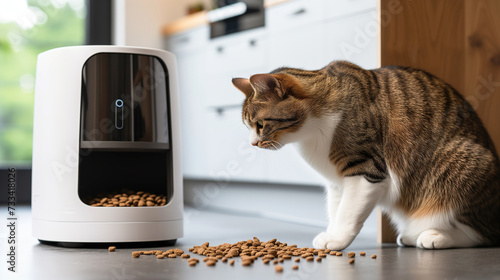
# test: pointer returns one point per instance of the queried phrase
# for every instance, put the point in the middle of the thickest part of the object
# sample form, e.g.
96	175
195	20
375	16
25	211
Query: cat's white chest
313	142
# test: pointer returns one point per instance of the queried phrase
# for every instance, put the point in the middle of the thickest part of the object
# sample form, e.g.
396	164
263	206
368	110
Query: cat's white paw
404	241
434	239
331	241
319	242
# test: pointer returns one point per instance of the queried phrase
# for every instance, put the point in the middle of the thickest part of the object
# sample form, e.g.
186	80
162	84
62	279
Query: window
27	28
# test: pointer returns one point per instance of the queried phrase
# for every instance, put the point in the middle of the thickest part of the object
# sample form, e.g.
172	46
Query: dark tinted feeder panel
125	127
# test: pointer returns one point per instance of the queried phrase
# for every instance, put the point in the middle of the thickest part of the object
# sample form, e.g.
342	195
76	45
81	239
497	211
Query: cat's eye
260	124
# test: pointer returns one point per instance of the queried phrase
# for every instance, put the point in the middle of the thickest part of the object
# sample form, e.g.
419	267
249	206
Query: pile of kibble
128	199
249	251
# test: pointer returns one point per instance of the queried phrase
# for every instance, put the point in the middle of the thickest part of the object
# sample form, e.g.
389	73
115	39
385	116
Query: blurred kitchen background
216	40
222	171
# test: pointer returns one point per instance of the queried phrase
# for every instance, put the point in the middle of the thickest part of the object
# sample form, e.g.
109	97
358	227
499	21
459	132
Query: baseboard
304	203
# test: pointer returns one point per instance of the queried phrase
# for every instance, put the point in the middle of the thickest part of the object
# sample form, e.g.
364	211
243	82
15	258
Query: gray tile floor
37	261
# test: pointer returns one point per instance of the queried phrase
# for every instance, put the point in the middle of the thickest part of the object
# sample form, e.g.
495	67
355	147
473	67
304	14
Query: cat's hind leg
440	230
460	236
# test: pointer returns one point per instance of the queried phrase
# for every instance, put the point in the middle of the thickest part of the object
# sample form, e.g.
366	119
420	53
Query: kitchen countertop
38	261
200	18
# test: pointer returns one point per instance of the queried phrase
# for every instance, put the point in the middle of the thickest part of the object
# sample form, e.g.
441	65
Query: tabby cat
396	137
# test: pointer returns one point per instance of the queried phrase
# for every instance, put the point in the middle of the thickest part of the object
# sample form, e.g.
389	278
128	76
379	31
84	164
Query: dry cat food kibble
112	249
193	261
128	198
374	256
249	251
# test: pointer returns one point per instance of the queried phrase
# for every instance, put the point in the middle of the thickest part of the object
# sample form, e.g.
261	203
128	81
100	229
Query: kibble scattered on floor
249	251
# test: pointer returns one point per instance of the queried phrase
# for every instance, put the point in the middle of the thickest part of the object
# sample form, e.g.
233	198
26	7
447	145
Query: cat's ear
280	84
243	85
266	83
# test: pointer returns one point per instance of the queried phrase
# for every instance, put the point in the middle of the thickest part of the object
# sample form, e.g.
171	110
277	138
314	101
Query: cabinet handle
183	40
221	109
298	12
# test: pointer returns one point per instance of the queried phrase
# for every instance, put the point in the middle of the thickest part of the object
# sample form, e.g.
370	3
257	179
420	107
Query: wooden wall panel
482	62
456	40
385	231
426	34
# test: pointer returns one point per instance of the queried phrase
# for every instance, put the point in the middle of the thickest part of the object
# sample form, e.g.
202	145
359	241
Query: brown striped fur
393	117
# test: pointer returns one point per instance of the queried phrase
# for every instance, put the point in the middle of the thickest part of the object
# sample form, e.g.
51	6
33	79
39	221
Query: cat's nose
255	143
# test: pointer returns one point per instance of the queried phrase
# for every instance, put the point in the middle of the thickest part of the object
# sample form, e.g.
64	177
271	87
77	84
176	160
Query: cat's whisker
279	144
273	143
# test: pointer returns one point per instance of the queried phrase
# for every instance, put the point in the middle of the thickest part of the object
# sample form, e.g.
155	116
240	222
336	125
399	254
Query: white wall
139	22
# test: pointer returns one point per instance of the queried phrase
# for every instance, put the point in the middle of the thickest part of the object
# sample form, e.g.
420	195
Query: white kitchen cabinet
301	47
296	35
189	41
293	14
346	8
287	166
230	154
304	34
236	55
354	39
296	39
190	50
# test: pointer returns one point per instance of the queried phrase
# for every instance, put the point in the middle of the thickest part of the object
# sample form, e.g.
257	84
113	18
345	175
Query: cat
396	137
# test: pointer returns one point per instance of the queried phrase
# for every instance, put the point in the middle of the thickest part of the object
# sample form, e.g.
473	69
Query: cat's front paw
331	241
404	241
